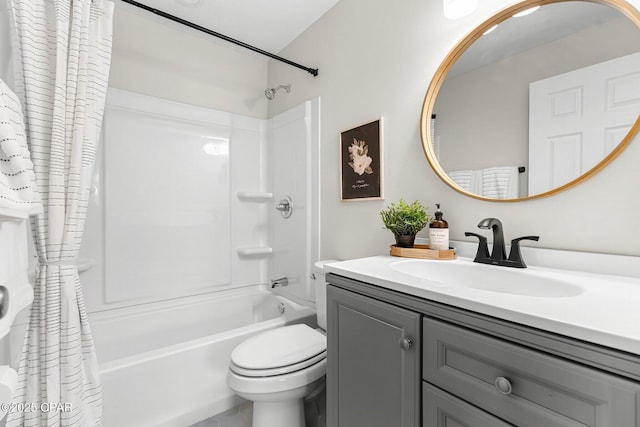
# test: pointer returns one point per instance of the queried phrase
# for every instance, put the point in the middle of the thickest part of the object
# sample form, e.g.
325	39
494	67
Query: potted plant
404	221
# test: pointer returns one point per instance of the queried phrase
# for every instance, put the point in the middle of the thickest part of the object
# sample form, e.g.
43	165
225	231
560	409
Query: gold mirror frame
434	88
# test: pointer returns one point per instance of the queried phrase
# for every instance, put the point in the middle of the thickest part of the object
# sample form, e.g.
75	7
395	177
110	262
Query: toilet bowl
278	368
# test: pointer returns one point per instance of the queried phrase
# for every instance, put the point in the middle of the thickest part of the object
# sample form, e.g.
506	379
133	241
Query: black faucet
498	254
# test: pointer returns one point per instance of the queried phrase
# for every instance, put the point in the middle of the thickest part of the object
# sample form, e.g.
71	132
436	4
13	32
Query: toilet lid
280	347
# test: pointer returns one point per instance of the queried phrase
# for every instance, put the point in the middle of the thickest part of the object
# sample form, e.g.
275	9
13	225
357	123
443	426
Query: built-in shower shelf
258	196
255	251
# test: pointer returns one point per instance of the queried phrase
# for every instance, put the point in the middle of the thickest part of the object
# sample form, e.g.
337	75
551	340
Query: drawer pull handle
503	385
406	343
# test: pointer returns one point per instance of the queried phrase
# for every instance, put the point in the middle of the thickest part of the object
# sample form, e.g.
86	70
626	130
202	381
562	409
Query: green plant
405	219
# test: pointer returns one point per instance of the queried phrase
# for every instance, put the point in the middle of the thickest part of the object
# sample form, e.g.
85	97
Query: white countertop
607	312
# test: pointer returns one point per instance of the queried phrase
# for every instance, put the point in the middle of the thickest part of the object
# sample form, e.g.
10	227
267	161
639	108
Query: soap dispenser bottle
439	232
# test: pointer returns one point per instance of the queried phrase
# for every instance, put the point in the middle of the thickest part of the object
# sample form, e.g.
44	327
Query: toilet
278	368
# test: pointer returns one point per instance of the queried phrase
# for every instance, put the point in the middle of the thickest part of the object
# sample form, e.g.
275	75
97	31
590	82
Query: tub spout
283	281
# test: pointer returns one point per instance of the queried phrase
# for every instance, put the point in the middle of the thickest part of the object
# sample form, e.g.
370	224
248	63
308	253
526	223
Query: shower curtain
62	52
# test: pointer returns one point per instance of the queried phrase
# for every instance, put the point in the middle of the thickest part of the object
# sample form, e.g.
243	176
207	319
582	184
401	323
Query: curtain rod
312	71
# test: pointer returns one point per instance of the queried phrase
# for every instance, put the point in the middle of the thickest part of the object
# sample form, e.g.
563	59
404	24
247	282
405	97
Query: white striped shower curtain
62	50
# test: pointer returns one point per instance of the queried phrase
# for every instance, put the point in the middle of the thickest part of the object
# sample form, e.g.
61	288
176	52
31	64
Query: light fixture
526	12
454	9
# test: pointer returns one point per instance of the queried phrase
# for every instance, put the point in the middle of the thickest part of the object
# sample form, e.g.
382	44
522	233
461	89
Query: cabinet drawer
537	389
440	409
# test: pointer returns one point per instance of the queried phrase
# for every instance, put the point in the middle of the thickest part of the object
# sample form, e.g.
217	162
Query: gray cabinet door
522	386
373	374
440	409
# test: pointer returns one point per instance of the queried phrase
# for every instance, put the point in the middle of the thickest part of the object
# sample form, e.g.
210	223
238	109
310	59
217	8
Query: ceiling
546	25
269	25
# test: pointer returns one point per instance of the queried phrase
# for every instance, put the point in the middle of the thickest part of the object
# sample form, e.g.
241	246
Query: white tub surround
183	201
181	223
294	172
165	365
164	221
603	310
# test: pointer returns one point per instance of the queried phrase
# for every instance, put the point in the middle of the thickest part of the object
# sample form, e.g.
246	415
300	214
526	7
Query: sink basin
504	280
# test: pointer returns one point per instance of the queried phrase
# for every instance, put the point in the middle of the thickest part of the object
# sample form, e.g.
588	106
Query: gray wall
154	56
377	58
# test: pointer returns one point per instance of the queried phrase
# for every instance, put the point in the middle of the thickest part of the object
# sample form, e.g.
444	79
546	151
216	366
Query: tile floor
240	416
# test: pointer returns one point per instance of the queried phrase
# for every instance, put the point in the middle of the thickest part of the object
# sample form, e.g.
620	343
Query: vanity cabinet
523	386
373	370
474	370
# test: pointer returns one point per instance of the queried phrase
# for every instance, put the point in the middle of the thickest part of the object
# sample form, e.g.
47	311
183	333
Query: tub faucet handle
285	206
283	281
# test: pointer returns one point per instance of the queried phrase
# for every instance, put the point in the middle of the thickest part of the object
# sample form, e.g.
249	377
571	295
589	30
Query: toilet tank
320	285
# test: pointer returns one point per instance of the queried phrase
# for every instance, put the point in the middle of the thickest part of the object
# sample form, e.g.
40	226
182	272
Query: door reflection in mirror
489	119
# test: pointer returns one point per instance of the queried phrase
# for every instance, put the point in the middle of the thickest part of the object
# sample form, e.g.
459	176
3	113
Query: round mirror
536	99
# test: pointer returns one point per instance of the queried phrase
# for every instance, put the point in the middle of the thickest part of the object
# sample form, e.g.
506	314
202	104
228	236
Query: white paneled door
577	118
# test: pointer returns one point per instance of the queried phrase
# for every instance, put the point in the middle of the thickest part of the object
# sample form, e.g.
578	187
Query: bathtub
166	366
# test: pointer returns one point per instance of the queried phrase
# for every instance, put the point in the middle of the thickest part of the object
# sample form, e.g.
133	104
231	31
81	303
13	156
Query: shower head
271	92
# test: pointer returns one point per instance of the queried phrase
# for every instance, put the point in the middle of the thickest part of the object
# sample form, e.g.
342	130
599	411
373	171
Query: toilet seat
279	351
276	386
282	370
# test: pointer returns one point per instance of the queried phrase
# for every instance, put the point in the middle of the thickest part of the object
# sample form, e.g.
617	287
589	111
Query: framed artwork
361	165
